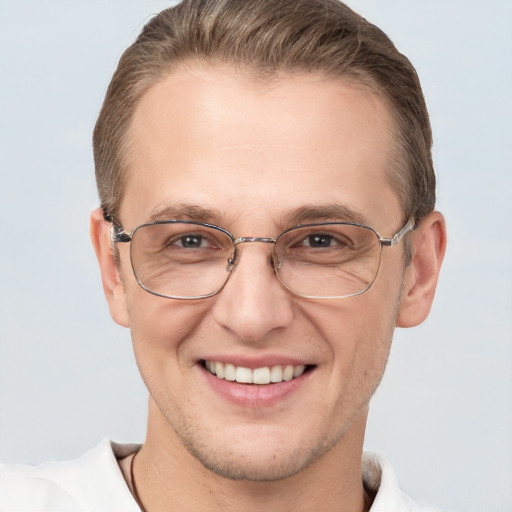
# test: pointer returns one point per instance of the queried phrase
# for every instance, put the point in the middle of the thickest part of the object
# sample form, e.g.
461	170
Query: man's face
213	145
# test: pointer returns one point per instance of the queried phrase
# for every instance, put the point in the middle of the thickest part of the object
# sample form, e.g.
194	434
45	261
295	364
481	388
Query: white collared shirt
94	483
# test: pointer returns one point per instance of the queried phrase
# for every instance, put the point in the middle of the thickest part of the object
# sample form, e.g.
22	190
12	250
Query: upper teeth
264	375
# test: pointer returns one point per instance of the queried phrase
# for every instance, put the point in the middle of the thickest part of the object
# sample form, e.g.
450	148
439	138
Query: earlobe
112	283
420	282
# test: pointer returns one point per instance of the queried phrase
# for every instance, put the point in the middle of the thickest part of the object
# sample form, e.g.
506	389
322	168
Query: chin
246	468
258	461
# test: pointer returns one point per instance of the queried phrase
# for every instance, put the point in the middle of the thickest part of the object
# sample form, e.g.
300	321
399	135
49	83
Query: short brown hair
268	37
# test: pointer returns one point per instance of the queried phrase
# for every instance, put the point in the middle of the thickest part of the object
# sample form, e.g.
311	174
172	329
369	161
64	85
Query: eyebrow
185	211
322	213
302	215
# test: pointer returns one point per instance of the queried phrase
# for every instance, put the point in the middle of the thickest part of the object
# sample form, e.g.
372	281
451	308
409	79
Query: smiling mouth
264	375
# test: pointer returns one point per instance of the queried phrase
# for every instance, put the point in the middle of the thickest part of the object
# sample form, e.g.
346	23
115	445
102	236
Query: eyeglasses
180	259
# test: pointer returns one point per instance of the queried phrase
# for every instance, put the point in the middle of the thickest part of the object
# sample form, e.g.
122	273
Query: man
267	219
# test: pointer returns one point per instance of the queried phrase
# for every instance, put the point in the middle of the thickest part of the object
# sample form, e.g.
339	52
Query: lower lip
254	395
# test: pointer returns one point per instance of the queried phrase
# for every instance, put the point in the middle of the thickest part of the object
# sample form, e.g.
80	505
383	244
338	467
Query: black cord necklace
134	486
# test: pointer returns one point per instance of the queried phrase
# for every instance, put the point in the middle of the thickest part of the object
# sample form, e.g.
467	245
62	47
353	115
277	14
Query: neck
168	477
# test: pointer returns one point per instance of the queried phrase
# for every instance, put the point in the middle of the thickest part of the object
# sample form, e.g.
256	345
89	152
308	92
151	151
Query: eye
190	241
195	241
319	240
323	241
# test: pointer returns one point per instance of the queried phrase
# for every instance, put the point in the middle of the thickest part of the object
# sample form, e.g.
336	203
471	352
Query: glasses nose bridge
252	239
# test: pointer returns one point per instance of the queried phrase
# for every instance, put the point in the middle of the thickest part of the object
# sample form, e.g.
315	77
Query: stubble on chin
248	461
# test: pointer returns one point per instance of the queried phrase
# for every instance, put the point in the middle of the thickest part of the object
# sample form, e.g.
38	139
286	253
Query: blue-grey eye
191	241
319	240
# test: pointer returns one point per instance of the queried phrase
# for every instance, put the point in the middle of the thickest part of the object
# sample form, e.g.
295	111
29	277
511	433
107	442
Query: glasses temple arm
118	234
409	226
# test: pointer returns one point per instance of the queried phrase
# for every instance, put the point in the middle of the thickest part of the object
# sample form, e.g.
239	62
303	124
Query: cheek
358	332
363	323
158	328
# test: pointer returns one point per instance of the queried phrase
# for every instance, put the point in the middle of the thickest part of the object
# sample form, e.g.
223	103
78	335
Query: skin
252	153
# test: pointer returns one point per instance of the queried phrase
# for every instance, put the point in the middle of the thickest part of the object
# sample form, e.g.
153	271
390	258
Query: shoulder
379	477
91	483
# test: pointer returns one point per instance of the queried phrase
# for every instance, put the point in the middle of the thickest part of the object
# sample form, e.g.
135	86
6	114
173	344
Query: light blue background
443	414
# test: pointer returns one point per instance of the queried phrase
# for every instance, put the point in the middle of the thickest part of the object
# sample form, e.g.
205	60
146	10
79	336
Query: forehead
229	142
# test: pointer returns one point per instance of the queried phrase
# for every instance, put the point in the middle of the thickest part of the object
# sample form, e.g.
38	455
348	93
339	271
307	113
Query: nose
253	303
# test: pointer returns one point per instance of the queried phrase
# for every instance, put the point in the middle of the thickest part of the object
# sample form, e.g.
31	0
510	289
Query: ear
112	284
429	241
